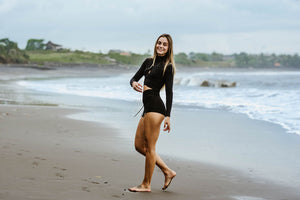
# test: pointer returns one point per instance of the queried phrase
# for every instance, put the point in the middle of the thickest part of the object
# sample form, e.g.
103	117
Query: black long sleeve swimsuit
155	79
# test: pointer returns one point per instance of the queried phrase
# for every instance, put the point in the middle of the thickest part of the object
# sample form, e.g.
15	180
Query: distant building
277	64
124	53
54	47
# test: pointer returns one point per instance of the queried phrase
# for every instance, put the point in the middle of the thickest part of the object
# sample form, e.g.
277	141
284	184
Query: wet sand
45	155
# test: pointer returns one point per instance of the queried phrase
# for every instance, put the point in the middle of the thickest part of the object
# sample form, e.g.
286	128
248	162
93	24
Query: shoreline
116	66
13	72
51	156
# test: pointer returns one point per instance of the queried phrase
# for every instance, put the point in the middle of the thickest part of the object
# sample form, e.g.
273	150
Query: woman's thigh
152	122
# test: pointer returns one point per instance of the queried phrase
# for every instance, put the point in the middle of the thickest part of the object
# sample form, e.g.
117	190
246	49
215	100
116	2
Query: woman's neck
161	58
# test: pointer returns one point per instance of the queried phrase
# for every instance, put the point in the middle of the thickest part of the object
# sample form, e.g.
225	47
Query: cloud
7	6
129	23
251	42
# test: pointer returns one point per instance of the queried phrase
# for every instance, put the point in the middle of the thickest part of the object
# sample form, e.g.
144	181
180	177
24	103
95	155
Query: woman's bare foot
139	188
168	179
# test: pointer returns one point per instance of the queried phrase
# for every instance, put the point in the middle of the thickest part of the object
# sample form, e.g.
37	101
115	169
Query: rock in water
224	84
228	84
205	84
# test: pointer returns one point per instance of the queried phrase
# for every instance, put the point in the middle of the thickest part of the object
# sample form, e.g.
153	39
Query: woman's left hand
167	124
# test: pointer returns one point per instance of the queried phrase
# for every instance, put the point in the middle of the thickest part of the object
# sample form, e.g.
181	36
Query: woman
158	71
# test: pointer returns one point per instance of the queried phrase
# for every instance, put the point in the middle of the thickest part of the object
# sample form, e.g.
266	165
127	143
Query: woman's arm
169	96
169	89
138	75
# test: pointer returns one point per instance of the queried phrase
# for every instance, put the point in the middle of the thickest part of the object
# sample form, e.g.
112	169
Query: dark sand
45	155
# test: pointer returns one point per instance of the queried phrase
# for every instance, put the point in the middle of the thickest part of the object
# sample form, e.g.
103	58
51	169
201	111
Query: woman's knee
150	151
150	148
145	148
140	148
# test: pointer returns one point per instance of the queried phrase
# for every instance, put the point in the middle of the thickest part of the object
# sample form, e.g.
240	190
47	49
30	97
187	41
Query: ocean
272	96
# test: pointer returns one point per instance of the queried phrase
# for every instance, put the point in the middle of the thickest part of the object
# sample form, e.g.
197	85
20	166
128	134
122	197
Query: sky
223	26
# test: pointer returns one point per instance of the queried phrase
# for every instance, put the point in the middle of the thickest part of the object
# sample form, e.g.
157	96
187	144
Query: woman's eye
165	44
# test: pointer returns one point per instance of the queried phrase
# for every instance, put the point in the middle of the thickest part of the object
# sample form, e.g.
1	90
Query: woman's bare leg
152	122
140	146
145	141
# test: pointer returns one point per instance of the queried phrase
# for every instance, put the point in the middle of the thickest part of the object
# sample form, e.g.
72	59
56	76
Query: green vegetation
203	60
249	60
35	44
66	56
214	57
10	53
182	58
131	59
35	52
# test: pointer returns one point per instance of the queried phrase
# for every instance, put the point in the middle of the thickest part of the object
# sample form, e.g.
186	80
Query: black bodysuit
155	79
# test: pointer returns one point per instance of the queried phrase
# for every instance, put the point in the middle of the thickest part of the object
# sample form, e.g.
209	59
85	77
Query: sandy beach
46	155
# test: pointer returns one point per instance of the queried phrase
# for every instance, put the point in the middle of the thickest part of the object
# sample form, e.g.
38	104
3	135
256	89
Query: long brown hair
169	54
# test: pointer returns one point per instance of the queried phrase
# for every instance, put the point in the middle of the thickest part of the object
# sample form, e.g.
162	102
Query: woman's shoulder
149	59
170	70
170	67
147	62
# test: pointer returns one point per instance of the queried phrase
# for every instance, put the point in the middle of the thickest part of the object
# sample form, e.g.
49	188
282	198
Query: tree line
245	60
11	53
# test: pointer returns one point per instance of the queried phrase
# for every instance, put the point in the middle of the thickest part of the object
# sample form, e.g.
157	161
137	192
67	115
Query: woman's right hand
137	86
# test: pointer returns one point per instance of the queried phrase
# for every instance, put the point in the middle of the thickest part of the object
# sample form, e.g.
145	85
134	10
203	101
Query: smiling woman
162	46
158	71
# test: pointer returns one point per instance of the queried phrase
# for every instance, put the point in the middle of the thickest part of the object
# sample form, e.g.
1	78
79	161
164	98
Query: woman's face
162	46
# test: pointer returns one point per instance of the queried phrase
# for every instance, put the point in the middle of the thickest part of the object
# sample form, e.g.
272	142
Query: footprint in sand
39	158
59	175
86	189
91	181
122	196
35	164
24	150
59	168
